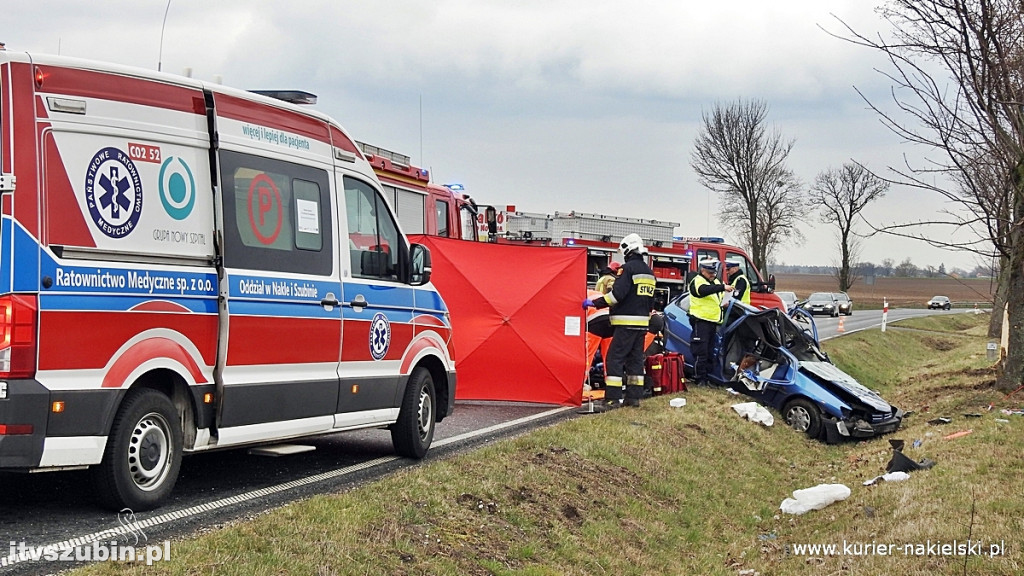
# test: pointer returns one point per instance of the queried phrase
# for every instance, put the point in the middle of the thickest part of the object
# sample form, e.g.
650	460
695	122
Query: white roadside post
885	312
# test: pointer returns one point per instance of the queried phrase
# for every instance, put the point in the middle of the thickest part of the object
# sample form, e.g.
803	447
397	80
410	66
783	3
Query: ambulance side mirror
419	256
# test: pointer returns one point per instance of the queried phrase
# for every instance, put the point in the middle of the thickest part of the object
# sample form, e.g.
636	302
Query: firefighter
607	279
706	294
734	274
630	302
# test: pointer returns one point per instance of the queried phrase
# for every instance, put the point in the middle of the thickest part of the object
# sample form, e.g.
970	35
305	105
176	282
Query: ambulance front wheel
414	430
143	455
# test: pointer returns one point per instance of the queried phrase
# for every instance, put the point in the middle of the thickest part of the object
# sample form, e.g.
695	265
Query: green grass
660	490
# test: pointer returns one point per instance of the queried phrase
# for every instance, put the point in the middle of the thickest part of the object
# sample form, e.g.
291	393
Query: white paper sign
572	326
308	216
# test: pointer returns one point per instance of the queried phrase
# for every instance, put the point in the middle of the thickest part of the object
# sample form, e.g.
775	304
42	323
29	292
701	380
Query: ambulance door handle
359	302
329	301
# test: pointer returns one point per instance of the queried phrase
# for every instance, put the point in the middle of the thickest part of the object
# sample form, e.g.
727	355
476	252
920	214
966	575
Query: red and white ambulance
188	267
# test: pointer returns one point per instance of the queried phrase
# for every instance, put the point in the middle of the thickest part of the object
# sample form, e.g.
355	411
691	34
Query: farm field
901	292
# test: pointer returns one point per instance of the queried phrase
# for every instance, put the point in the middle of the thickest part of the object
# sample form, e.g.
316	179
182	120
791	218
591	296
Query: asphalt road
871	319
58	508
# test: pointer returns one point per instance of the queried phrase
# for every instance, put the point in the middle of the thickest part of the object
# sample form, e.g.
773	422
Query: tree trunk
1013	368
995	323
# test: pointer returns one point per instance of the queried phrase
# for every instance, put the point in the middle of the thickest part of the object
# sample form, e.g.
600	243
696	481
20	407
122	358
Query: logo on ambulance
113	192
380	336
177	188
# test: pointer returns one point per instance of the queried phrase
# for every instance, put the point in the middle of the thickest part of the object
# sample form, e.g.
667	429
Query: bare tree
736	155
842	195
958	86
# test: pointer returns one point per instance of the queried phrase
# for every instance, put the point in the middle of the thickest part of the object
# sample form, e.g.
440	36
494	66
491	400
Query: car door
378	307
282	309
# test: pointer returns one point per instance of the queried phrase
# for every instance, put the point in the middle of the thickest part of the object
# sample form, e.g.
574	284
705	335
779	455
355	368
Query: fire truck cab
422	206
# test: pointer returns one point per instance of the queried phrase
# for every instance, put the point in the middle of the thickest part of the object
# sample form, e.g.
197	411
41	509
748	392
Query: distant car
844	302
788	298
766	355
821	303
938	302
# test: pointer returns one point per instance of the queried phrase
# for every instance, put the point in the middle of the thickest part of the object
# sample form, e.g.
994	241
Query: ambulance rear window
276	215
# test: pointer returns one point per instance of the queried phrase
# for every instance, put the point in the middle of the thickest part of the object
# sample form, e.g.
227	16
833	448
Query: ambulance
186	267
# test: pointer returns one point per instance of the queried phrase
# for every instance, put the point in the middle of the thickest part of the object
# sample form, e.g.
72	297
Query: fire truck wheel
414	430
143	454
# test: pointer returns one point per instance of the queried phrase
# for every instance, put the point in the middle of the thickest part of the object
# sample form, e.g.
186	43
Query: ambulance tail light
18	315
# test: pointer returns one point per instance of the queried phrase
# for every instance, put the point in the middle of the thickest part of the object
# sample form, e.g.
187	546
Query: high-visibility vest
745	296
708	307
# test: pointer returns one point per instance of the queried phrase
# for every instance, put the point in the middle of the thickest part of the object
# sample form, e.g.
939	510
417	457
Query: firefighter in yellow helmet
706	295
630	302
608	275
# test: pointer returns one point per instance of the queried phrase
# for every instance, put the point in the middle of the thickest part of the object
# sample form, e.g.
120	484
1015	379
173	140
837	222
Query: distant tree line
889	269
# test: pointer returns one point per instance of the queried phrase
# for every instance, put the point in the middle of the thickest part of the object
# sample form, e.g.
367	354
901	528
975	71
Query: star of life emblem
113	192
380	336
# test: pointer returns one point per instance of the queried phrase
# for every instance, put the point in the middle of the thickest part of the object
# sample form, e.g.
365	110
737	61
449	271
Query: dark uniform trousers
702	339
625	358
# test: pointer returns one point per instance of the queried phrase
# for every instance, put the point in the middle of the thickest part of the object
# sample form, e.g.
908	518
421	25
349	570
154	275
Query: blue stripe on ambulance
116	303
6	247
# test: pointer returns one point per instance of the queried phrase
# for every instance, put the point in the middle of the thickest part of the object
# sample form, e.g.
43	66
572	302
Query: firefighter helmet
631	243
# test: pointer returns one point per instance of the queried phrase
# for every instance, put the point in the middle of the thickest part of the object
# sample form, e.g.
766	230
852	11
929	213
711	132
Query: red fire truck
422	207
427	208
673	259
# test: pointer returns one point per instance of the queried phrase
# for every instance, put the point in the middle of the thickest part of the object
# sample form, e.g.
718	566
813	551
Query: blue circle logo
380	336
177	188
113	192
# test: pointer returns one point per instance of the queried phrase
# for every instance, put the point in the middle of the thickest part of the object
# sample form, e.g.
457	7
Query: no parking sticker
265	211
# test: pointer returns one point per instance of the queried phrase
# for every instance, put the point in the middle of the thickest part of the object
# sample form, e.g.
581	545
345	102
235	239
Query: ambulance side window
276	215
374	244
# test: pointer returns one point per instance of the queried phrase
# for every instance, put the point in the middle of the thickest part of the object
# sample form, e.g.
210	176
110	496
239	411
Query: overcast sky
553	105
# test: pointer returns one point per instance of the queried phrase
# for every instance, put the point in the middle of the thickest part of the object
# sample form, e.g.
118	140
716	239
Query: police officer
630	300
736	277
706	294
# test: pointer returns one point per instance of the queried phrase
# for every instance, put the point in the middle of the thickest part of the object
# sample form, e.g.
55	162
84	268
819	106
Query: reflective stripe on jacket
632	295
707	307
742	288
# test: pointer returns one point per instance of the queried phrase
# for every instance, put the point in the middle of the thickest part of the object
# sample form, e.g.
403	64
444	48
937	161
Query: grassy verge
694	490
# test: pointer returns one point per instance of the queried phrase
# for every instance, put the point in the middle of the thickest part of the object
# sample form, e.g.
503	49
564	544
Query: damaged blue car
776	360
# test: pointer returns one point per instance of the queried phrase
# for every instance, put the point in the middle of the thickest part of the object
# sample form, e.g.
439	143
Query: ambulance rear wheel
414	430
143	455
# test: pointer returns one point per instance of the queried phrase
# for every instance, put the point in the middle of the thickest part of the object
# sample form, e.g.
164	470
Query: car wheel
803	416
143	454
948	306
412	433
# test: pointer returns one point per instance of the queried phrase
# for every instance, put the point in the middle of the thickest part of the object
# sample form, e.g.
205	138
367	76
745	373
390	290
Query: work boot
606	405
634	391
612	399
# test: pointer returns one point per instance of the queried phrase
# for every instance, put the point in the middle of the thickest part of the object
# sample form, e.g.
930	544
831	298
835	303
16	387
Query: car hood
830	373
